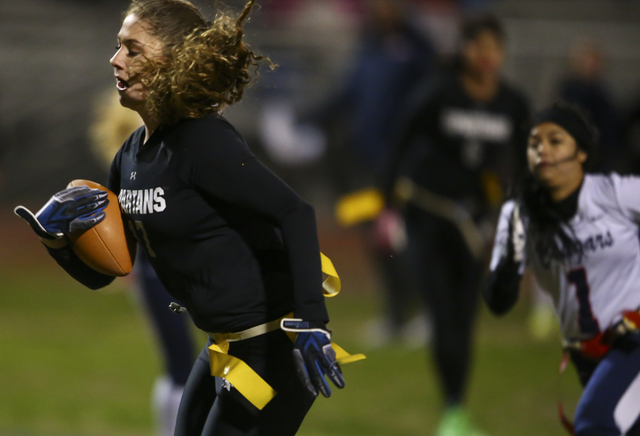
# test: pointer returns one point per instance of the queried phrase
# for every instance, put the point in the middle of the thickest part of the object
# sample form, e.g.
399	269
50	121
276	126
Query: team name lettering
142	201
477	125
593	243
582	248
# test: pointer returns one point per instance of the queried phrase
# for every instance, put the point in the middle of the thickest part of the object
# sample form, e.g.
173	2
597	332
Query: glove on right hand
71	210
313	355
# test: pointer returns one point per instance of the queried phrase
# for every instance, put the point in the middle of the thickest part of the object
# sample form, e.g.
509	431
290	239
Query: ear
582	156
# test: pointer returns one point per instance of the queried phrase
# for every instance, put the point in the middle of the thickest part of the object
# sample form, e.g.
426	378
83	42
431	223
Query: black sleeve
67	259
71	263
501	287
221	165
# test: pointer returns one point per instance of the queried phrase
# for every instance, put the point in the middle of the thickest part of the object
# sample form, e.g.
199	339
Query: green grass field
75	362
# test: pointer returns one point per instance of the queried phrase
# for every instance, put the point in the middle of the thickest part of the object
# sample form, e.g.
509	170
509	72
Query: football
104	247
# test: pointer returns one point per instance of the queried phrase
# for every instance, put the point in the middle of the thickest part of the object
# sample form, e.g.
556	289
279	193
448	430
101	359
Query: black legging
208	408
399	287
449	278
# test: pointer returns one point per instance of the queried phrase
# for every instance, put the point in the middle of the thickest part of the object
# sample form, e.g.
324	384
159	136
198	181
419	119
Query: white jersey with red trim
591	290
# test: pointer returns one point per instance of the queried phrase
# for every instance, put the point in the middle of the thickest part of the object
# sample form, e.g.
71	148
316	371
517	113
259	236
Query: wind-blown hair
205	64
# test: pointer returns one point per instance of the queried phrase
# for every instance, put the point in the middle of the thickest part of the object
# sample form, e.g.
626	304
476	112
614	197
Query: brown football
104	247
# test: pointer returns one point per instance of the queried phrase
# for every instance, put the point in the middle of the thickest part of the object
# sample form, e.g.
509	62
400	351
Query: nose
542	148
116	60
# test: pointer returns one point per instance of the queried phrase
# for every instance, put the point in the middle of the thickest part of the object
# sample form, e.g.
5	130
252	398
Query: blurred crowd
53	73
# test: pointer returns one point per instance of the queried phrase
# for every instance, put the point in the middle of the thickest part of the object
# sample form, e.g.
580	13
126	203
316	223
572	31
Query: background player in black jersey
454	158
226	236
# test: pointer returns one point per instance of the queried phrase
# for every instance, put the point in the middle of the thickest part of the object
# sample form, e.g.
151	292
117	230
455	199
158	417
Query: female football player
463	134
112	126
226	236
579	234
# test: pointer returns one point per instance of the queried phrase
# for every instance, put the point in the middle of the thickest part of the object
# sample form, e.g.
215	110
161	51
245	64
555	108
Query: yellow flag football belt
245	379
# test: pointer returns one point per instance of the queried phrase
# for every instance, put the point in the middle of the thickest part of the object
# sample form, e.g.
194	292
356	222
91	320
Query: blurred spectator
393	57
584	85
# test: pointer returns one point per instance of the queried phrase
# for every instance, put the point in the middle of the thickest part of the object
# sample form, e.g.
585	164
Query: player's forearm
501	287
300	236
67	259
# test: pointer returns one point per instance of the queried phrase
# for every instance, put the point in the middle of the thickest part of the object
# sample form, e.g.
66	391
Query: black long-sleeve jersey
450	139
225	235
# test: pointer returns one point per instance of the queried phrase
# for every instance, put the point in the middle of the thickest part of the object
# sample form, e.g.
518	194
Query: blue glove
313	355
72	210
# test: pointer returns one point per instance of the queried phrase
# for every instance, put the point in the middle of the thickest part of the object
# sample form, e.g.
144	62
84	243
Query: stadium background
80	363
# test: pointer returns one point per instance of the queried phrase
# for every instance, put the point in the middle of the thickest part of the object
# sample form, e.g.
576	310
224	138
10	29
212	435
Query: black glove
71	210
313	356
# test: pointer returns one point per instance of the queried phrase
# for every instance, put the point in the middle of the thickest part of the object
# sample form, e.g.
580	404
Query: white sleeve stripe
627	410
502	234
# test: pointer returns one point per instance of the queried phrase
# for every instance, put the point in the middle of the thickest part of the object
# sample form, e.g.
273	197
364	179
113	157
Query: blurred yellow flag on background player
359	206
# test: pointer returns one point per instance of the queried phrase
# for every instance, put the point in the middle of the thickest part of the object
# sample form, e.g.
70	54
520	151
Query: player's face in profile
484	54
553	155
135	46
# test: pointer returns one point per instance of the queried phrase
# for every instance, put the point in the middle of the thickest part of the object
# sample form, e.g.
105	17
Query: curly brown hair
205	66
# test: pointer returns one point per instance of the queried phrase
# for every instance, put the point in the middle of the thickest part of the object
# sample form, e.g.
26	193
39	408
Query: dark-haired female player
579	234
226	236
465	129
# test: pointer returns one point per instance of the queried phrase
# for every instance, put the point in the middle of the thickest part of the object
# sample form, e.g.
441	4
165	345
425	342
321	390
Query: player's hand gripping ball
104	247
88	215
71	210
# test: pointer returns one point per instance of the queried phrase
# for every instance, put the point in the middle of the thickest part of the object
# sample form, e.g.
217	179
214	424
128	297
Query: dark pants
449	278
208	408
399	286
610	403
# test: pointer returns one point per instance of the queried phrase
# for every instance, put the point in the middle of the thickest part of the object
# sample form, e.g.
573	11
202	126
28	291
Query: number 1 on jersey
141	236
586	320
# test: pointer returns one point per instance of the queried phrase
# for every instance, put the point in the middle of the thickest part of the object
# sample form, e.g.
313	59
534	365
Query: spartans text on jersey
142	201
